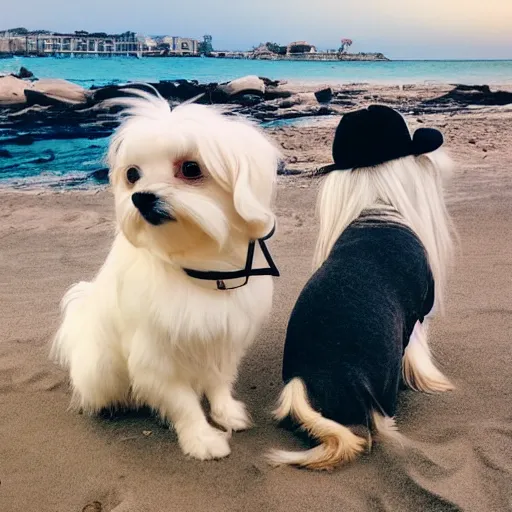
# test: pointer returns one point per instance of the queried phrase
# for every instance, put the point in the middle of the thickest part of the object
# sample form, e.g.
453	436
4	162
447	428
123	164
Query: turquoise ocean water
99	71
72	160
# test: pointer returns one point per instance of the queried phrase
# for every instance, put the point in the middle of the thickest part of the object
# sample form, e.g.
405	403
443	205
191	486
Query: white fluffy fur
412	187
418	368
144	332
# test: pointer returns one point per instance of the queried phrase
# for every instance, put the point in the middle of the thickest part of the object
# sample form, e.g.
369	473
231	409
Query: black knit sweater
353	319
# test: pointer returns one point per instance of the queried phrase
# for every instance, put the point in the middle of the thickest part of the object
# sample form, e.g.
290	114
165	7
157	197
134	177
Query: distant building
300	47
148	43
184	45
205	47
80	42
177	45
99	43
262	52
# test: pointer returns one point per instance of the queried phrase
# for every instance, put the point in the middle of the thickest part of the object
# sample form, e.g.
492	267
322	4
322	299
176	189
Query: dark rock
177	90
249	84
325	111
261	116
472	141
181	90
5	154
100	176
269	82
464	95
324	95
287	103
214	95
481	88
115	91
247	100
273	93
267	107
42	99
25	73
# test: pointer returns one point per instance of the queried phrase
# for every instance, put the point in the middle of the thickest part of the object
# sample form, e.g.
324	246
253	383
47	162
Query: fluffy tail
338	444
418	369
70	306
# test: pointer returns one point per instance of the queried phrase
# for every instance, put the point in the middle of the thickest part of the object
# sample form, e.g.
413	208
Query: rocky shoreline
34	110
323	56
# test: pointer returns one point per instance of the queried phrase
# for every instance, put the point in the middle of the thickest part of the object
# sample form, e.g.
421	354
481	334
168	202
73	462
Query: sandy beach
54	460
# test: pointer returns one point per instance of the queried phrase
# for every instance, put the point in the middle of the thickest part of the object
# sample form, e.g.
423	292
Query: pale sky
413	29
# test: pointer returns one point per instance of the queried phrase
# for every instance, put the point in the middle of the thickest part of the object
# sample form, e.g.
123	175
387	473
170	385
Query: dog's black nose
151	208
144	201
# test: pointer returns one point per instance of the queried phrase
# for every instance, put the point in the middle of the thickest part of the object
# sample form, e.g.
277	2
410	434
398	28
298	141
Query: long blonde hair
408	190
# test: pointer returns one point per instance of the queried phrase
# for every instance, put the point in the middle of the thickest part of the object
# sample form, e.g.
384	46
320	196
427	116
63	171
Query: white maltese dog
174	307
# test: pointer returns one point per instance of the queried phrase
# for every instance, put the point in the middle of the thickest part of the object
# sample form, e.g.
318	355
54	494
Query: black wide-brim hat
375	135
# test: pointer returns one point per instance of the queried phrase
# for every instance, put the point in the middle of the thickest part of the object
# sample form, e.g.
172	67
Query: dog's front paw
205	444
232	415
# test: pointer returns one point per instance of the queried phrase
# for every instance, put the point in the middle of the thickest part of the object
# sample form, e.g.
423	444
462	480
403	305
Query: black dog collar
242	275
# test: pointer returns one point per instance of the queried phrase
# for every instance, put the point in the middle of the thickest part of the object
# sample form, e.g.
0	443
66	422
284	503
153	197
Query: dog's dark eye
133	175
191	170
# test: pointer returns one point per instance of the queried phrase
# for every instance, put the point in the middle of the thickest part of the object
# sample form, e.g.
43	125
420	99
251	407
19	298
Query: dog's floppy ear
253	192
244	162
254	179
